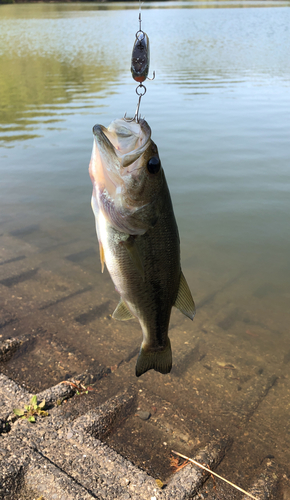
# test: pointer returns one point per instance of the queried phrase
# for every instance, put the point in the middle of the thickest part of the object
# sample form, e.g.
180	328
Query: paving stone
62	456
47	480
52	458
266	484
188	480
8	347
12	396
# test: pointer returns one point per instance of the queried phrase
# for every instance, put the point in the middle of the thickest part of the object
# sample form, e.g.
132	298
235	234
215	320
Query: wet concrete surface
57	306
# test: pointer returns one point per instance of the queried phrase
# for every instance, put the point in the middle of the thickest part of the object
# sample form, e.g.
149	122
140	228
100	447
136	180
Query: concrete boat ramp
223	403
63	455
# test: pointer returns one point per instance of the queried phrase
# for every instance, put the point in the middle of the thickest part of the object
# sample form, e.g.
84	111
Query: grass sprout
32	410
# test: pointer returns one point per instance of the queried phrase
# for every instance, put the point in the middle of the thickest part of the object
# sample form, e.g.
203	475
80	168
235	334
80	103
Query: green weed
32	410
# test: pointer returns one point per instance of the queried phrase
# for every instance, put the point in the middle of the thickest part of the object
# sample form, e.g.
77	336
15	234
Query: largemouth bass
138	235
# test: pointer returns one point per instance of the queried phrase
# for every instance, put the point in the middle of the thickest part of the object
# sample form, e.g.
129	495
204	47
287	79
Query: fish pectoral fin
102	256
134	254
122	312
184	301
160	361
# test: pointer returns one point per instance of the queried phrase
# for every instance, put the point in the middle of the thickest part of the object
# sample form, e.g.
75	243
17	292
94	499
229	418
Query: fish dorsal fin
122	312
184	301
134	254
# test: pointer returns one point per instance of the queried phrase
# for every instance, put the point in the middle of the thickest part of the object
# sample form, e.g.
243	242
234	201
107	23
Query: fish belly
149	296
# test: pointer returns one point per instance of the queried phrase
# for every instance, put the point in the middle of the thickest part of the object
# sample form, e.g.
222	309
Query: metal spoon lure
140	65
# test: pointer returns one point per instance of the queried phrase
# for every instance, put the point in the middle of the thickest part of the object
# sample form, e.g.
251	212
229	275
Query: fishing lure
140	57
140	66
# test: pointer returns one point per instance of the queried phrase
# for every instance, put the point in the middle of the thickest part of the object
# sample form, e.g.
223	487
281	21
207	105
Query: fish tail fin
160	361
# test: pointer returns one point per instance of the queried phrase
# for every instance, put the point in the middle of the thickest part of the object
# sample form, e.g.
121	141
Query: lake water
219	110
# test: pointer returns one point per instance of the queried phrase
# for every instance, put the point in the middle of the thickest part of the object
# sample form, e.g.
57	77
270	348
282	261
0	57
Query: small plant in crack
78	387
32	410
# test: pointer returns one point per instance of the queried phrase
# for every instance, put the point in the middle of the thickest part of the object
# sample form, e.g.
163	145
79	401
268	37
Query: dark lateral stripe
15	259
80	256
24	231
19	278
92	314
67	297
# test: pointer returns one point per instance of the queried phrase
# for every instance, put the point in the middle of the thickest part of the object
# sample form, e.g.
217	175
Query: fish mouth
122	140
117	152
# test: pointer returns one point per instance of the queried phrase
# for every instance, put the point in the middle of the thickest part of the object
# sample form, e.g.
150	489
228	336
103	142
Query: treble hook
140	91
153	76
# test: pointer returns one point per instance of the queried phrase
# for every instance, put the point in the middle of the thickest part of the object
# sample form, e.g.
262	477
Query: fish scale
138	237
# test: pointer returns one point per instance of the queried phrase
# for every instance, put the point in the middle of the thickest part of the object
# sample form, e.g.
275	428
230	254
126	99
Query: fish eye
153	165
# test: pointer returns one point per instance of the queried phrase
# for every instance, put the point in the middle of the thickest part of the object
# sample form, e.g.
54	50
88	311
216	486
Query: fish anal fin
102	256
122	312
134	254
160	361
184	301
